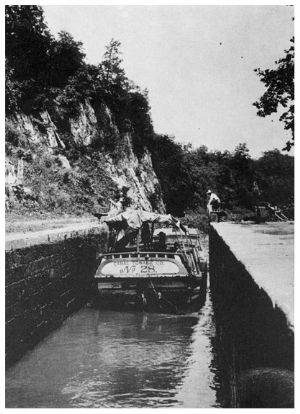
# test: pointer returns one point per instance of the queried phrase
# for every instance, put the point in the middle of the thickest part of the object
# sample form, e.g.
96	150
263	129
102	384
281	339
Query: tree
275	177
280	91
28	42
113	73
66	58
172	169
136	113
241	166
38	66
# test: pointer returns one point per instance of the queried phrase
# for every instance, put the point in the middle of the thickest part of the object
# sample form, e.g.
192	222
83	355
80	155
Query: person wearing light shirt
213	202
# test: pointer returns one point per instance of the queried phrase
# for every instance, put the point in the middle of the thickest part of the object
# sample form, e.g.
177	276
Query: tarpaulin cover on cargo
134	219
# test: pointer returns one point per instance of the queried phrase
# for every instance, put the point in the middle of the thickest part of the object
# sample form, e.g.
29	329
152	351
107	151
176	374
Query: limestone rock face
140	179
84	127
90	128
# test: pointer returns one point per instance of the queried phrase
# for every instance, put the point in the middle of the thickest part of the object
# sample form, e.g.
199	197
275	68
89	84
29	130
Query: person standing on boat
213	203
162	238
146	236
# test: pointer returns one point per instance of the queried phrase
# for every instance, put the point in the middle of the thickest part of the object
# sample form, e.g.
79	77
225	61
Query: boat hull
171	295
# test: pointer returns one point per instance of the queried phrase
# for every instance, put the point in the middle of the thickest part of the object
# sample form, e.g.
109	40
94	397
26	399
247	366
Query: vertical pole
138	237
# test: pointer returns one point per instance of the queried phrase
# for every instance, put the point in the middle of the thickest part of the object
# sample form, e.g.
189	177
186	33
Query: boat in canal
152	263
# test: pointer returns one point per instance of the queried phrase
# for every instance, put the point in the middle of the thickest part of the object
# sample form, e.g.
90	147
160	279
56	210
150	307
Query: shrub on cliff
13	136
80	189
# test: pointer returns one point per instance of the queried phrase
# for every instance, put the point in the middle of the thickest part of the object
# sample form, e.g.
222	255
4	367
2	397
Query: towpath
33	232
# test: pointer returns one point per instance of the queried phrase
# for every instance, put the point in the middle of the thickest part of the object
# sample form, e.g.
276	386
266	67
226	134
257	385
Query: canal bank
48	276
251	274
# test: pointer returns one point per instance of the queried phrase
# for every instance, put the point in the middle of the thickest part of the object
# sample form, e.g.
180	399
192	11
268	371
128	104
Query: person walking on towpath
213	203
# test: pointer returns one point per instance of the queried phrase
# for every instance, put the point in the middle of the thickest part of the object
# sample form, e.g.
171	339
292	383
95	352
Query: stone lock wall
45	283
253	335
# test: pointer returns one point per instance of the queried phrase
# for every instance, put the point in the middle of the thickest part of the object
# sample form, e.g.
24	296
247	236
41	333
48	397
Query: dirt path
25	224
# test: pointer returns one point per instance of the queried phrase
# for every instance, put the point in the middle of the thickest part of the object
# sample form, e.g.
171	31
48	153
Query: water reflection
114	359
200	382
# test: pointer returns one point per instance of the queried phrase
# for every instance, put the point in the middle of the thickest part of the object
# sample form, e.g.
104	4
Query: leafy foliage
28	42
172	170
275	174
66	59
43	72
279	84
185	176
12	90
113	75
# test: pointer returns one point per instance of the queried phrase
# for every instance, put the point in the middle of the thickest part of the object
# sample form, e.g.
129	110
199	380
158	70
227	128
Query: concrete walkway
21	240
267	252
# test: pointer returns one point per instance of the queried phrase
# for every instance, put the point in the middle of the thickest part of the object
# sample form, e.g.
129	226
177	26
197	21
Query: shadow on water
113	359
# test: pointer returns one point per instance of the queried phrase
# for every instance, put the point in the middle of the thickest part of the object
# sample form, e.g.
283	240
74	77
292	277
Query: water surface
114	359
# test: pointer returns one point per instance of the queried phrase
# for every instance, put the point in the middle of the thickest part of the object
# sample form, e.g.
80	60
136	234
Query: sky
197	63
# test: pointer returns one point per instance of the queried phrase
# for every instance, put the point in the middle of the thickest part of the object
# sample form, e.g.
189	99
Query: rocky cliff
76	162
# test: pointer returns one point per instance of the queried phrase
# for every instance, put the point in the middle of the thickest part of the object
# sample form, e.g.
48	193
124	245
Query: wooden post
138	237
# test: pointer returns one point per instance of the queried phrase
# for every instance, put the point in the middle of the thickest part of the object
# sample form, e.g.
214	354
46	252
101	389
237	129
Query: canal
114	359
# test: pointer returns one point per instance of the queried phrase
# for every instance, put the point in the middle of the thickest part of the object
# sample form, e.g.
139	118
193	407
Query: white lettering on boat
147	268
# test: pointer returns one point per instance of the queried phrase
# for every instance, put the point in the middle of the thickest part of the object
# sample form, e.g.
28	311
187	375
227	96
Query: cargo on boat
153	263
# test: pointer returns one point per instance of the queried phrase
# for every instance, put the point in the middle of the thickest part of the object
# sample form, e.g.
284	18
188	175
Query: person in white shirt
213	201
